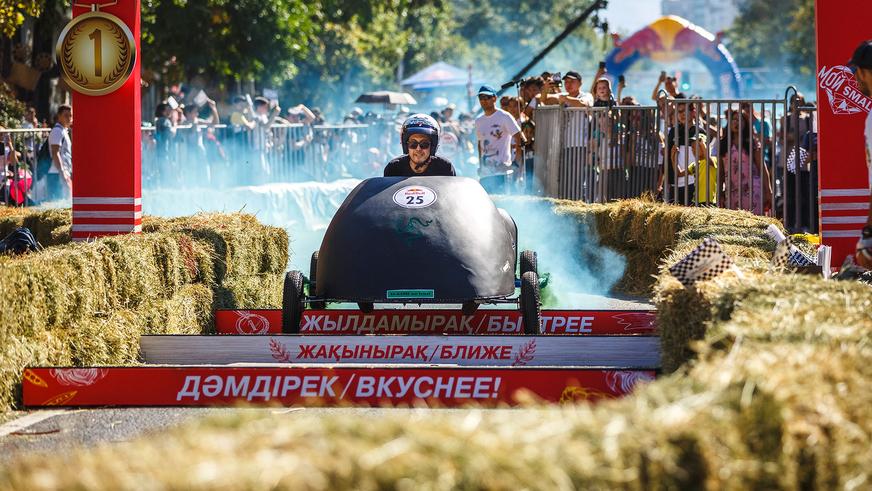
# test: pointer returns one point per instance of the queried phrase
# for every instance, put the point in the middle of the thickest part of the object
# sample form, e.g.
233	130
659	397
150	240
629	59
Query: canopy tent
386	97
439	74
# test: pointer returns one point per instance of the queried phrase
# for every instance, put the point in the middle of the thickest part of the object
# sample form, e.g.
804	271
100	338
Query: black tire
531	310
292	302
469	308
529	262
313	272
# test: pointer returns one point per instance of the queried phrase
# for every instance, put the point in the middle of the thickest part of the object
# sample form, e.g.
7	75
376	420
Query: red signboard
842	110
107	195
424	322
227	386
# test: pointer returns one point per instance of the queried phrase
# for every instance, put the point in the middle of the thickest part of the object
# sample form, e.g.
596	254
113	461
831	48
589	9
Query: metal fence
220	156
756	155
596	154
762	155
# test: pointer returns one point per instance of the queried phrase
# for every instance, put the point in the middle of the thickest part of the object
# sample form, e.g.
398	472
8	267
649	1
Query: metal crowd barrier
596	154
762	155
220	155
22	185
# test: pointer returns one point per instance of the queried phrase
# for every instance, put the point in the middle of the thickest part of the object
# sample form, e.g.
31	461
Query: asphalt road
65	430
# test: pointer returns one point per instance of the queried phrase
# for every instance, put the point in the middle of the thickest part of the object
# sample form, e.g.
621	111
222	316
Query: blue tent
439	74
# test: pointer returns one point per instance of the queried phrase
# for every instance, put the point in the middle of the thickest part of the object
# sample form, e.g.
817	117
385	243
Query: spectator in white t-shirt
573	97
861	64
497	132
60	175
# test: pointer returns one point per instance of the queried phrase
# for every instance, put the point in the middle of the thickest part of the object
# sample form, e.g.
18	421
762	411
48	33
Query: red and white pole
842	110
106	153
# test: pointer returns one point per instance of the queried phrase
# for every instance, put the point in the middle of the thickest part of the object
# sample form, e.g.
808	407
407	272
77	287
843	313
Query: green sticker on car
394	294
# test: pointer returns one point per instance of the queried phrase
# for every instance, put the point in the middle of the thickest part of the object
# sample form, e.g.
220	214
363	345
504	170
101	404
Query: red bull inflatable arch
670	39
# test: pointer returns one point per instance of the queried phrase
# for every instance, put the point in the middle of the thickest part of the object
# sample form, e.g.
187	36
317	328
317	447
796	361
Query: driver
419	137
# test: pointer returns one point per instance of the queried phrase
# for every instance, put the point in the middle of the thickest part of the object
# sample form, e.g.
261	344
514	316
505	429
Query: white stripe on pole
837	234
829	193
107	214
844	206
851	220
106	201
106	227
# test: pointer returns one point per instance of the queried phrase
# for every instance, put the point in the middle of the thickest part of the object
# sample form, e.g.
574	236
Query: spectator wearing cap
861	65
573	97
497	133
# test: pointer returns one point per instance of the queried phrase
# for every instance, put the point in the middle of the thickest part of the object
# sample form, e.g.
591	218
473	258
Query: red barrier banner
227	386
469	350
842	110
429	322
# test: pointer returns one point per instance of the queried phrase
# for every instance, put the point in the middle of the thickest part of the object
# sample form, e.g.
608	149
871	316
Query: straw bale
760	416
772	390
49	226
88	303
263	291
108	339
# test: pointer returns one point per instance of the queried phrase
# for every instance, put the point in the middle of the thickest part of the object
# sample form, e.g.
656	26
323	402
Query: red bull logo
667	40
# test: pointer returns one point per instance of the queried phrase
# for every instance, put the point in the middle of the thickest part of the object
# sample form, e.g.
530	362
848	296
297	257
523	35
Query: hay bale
88	303
50	227
109	339
764	416
778	396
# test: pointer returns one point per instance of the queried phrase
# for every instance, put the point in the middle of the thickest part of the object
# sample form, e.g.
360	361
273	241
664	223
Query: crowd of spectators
256	141
691	140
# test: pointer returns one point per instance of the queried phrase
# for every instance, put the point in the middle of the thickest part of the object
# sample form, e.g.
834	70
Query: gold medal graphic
96	52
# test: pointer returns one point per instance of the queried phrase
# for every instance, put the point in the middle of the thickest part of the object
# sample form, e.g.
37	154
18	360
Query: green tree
225	40
773	33
361	45
13	13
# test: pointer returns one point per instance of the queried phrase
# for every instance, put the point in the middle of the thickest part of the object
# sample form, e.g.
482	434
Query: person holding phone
669	84
573	97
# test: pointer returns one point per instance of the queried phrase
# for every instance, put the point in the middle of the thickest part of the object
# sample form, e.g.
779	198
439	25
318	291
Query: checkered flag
703	263
787	254
791	160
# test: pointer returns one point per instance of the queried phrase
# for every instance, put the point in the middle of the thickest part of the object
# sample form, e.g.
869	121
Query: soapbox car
417	240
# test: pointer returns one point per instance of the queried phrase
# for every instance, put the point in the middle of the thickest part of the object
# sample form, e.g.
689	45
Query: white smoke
579	269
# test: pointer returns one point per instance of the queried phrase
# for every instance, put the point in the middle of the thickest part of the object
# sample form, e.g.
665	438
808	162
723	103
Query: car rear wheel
313	271
529	262
292	302
530	302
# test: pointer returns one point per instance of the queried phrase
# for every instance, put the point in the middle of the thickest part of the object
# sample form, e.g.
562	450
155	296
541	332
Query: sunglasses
414	145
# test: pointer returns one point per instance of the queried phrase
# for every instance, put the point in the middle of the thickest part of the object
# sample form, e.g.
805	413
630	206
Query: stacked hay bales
49	226
78	304
777	396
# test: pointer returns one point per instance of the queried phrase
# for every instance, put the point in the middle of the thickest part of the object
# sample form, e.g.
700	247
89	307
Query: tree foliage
226	39
774	33
331	50
13	13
